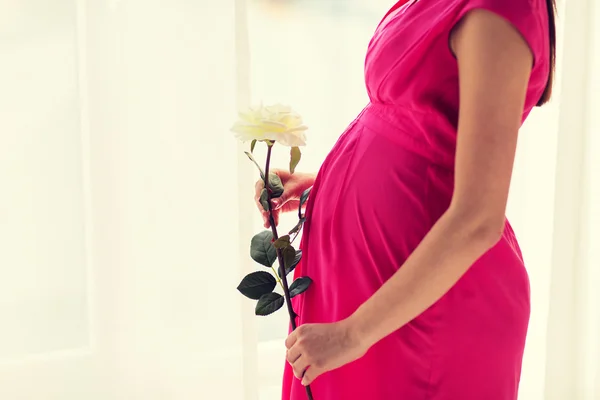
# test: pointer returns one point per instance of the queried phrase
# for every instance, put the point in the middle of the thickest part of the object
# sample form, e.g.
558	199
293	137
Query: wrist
358	331
307	179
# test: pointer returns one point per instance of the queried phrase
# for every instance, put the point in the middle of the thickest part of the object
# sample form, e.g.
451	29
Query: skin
494	69
293	185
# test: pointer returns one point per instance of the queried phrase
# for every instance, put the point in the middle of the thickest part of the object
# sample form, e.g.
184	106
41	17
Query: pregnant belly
374	202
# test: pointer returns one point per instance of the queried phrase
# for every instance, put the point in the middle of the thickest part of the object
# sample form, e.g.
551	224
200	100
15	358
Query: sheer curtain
573	341
127	211
163	92
120	202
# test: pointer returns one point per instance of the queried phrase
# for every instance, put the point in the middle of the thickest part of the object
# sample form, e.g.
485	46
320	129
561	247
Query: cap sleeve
520	13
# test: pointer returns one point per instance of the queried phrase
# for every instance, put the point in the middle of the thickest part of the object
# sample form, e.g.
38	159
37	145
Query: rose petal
277	122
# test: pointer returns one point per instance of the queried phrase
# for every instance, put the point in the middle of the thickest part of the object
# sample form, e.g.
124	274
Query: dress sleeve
522	14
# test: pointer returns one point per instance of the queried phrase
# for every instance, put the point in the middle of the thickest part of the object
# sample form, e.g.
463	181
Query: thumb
279	202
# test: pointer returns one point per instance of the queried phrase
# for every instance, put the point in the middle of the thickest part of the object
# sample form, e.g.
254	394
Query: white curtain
126	208
573	331
554	203
119	217
163	91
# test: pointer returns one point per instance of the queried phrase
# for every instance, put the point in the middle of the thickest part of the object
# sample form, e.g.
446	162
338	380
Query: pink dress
387	180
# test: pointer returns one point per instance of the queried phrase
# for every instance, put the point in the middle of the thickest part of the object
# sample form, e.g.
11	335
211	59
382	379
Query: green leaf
282	242
257	284
262	250
275	185
299	286
289	255
298	226
252	146
304	196
297	258
295	156
251	157
264	200
269	303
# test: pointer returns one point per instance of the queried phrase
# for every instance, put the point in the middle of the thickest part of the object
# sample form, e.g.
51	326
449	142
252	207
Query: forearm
444	255
308	178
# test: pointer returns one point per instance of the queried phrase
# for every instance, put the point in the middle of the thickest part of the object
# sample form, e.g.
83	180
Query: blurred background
126	210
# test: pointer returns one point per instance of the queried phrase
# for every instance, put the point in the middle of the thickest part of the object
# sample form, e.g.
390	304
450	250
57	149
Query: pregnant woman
420	292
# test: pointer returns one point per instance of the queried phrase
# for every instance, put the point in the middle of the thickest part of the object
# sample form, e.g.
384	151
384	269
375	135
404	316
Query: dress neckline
395	10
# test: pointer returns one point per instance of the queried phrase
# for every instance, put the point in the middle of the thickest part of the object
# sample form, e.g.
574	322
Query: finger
310	375
259	186
300	367
258	204
265	216
266	220
291	339
293	354
279	202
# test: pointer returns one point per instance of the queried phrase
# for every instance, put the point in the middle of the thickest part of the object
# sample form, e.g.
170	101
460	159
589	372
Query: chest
409	38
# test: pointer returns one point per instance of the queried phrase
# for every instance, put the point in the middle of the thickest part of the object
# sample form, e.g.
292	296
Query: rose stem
286	288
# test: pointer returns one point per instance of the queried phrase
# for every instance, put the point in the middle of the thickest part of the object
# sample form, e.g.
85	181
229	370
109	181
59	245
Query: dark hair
552	31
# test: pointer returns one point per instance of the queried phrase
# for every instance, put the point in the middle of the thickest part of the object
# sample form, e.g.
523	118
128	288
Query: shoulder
528	17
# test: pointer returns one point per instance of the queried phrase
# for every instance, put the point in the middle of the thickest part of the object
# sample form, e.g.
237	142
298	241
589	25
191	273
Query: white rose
276	123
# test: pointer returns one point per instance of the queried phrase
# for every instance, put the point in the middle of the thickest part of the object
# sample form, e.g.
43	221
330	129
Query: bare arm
495	65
